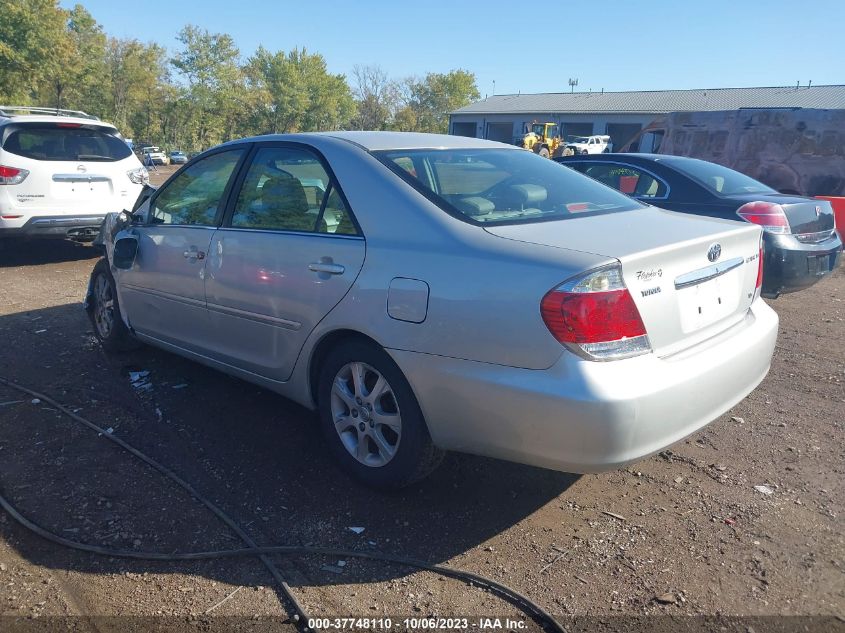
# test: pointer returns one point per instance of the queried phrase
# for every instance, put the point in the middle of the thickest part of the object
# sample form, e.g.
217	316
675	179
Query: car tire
584	152
371	419
544	152
104	312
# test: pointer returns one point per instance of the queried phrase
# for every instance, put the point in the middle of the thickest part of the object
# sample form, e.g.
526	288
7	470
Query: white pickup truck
590	144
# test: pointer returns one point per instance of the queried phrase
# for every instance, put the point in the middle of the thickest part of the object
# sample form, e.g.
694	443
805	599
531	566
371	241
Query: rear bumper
581	416
789	265
78	227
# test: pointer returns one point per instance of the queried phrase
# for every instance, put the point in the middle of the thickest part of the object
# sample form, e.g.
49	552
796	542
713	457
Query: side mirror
125	249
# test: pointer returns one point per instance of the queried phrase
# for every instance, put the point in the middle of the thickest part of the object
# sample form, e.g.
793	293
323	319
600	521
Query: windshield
66	143
495	186
580	139
719	179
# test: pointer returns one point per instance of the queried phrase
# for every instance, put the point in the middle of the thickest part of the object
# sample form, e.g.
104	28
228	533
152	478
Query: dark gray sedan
800	243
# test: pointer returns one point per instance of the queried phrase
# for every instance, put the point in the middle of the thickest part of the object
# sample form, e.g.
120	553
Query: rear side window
718	179
60	143
287	189
625	178
499	186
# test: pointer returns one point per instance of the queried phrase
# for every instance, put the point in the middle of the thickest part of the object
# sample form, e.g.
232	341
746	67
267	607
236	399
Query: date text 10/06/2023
417	624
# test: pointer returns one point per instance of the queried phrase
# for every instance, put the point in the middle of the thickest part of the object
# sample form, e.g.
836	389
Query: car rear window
56	142
718	179
500	186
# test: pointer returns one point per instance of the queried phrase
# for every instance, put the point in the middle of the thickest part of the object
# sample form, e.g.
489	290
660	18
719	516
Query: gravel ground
682	533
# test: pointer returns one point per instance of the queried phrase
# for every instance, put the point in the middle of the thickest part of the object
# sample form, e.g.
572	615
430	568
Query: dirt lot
682	533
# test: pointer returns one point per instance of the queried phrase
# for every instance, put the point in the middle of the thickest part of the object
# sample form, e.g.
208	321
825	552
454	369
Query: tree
433	98
296	93
377	97
209	63
80	81
33	47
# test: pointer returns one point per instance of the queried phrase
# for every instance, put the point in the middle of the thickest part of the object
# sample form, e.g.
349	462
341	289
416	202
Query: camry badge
714	252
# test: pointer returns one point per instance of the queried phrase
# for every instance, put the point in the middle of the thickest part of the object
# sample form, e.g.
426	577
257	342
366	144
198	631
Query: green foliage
33	45
295	92
54	57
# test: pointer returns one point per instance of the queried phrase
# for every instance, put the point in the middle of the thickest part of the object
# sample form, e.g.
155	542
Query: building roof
661	101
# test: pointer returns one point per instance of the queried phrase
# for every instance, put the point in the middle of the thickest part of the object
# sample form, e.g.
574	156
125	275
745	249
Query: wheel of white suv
371	419
104	311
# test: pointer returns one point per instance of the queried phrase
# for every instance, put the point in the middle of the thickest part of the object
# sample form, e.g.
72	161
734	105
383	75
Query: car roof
375	141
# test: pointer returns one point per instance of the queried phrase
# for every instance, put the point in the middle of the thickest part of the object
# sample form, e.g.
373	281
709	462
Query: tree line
206	92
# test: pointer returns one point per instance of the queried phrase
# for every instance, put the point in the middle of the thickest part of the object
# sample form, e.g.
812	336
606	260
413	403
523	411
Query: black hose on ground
529	607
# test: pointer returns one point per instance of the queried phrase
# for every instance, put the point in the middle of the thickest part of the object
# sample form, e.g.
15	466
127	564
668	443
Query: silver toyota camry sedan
428	293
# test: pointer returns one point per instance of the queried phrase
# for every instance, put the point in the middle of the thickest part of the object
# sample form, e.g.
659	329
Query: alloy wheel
365	413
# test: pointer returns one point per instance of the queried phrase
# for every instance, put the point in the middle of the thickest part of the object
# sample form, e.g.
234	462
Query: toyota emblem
81	169
714	252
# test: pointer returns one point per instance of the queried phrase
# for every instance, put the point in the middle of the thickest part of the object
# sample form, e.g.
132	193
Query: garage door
621	133
464	128
576	129
502	132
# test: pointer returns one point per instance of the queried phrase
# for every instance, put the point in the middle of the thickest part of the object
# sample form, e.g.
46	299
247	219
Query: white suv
61	171
590	144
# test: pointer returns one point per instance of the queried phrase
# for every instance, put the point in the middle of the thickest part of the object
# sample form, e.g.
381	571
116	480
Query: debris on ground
666	598
614	515
737	419
138	379
35	401
332	568
766	490
357	530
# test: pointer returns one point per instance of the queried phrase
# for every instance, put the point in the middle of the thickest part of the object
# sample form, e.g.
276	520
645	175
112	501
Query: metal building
623	114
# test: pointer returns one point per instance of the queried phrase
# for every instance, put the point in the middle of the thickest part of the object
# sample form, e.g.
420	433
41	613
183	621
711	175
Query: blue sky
525	46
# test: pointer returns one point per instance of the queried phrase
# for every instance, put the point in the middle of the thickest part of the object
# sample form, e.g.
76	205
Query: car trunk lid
690	277
809	220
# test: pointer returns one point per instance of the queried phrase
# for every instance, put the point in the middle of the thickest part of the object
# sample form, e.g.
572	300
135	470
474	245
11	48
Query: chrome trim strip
95	219
814	238
252	316
241	229
164	295
80	178
707	273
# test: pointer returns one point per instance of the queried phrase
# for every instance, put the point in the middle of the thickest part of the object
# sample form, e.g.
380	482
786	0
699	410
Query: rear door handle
325	267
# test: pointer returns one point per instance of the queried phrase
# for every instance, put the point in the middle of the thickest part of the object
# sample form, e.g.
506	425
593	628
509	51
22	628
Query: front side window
67	142
194	196
499	186
716	178
625	178
287	189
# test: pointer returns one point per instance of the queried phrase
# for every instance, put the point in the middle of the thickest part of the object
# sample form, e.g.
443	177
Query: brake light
68	125
760	269
596	317
769	215
12	175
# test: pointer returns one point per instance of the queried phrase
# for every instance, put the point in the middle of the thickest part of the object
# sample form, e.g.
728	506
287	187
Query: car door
163	294
288	251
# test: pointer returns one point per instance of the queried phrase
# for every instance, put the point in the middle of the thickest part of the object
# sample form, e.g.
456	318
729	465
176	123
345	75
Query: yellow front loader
544	139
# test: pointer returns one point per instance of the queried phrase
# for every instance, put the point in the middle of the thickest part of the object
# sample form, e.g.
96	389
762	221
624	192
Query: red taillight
596	316
8	172
12	175
760	269
766	214
68	125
